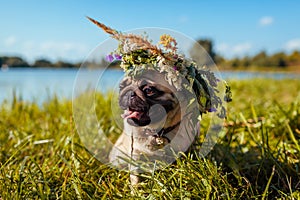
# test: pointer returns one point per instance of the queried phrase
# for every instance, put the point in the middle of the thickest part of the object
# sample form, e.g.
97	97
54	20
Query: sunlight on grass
41	156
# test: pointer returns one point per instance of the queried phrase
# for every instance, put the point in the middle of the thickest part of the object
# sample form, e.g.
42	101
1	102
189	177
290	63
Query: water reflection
41	84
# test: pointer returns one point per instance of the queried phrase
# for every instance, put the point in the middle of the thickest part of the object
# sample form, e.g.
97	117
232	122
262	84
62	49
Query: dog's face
147	99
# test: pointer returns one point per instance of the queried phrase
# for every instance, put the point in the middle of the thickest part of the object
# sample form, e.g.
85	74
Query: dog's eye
149	91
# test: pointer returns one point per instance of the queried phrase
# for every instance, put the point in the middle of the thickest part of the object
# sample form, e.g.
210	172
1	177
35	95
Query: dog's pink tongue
132	114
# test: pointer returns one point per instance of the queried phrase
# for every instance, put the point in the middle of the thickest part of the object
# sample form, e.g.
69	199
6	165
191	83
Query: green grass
41	156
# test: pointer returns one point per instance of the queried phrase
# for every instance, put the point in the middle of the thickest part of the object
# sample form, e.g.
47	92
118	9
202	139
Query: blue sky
59	30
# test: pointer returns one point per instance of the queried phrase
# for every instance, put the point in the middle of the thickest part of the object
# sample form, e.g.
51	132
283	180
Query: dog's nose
135	94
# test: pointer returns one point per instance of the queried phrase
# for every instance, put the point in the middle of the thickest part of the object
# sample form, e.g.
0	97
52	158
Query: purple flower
175	68
118	57
212	110
109	58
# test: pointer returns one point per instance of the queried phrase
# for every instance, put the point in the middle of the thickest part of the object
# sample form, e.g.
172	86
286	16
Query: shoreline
295	69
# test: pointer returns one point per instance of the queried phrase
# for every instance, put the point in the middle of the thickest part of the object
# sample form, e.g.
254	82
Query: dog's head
147	99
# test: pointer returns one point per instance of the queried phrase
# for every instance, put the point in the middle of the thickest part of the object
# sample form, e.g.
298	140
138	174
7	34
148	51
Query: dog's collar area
162	133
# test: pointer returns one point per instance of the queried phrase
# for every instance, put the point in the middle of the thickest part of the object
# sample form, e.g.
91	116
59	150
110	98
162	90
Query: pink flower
118	57
109	58
212	110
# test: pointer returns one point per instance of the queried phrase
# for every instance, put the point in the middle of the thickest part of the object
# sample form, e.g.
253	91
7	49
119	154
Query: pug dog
157	122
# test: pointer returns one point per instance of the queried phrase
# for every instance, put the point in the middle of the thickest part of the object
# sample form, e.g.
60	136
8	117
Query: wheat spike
141	42
134	39
104	27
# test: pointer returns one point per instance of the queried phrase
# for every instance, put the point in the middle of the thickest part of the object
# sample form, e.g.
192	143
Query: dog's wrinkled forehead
151	78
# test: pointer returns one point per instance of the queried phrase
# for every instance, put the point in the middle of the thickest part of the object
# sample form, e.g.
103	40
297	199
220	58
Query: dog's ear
124	83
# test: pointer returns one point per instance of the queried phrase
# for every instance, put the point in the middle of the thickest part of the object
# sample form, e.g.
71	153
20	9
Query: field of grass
41	156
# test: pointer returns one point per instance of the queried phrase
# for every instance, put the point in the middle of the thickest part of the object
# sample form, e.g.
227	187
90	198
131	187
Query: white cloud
183	19
55	50
29	45
241	48
10	41
229	51
223	47
61	47
266	21
293	44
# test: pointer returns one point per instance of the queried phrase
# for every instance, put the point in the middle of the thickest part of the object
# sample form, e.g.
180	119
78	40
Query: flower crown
137	54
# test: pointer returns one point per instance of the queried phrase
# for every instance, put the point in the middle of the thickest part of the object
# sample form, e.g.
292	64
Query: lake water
39	85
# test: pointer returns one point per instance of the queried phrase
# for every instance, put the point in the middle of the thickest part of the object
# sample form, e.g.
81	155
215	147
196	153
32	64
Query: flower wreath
137	54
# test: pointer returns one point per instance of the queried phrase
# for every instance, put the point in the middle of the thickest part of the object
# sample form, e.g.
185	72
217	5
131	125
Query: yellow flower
168	42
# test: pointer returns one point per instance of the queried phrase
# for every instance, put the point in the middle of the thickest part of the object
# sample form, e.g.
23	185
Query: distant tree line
18	62
261	59
15	61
